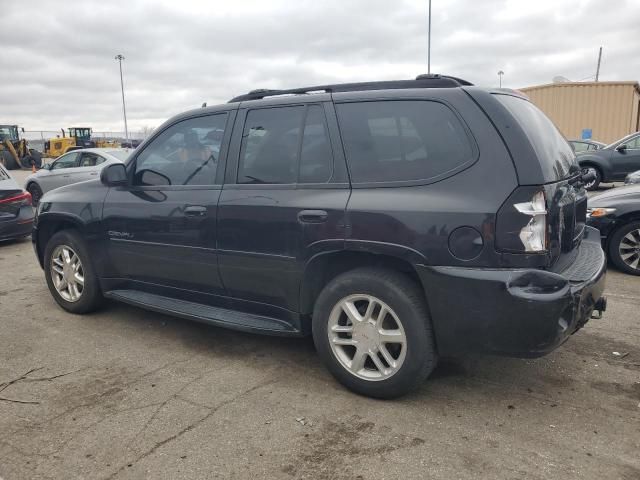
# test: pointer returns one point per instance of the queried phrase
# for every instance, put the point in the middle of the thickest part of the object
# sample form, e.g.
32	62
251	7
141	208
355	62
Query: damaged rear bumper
515	312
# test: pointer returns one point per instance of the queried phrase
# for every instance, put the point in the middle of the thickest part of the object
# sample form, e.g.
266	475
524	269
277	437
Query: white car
73	167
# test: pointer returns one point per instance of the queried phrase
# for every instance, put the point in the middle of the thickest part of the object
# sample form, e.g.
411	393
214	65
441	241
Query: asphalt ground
126	393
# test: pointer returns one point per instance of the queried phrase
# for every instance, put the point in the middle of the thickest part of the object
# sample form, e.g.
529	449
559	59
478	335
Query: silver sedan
73	167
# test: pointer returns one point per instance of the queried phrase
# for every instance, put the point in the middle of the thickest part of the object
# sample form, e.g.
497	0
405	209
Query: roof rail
421	81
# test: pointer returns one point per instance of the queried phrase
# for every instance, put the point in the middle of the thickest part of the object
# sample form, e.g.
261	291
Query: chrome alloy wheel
629	249
593	171
67	273
367	337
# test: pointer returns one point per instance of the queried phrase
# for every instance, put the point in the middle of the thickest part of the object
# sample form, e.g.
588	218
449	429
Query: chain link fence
36	138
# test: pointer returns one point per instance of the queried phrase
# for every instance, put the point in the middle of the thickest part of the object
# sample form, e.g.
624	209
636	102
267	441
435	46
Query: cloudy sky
59	70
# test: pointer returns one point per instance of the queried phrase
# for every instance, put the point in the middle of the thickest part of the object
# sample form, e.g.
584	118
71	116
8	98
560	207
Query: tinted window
66	161
402	140
184	154
316	159
270	143
552	150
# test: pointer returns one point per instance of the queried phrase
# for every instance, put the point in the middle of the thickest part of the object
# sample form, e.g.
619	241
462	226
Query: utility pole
429	41
598	67
500	74
120	57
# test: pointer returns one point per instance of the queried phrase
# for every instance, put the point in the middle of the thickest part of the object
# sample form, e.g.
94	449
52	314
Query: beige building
610	110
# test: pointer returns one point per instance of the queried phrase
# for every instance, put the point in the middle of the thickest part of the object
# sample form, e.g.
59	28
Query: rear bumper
515	312
18	227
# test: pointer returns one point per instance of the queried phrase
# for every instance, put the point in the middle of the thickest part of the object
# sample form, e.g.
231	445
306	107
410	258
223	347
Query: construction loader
79	137
15	151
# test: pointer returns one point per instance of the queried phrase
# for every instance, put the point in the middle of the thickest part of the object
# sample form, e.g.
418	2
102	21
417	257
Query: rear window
400	140
551	148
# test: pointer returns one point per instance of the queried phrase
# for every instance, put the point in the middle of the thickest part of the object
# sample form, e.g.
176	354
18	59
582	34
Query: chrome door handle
312	216
195	211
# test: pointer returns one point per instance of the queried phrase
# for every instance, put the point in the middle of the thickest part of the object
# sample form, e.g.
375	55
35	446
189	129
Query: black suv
394	221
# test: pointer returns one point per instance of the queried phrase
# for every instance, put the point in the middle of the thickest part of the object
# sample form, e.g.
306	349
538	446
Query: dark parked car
613	162
616	213
394	221
16	212
633	177
580	146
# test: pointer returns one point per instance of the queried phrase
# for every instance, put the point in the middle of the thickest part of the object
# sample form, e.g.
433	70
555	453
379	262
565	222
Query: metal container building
605	110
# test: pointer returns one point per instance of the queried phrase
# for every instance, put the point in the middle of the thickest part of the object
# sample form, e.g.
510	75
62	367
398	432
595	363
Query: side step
221	317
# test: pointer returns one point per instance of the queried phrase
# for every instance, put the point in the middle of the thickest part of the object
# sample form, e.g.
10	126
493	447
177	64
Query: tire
90	298
414	360
7	160
36	193
596	182
36	157
627	239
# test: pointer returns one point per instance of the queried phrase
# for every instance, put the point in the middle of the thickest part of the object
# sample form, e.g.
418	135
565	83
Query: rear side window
552	149
285	145
389	141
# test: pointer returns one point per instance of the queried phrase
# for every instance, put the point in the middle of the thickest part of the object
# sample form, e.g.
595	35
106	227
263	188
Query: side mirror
114	175
621	148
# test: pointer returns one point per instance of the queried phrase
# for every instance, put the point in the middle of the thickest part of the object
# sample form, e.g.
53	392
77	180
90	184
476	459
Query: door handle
195	211
312	216
93	173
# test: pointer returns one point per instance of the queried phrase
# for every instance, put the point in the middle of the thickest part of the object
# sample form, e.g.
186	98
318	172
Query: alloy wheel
629	249
67	273
367	337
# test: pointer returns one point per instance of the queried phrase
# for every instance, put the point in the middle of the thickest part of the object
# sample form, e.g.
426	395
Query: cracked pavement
126	394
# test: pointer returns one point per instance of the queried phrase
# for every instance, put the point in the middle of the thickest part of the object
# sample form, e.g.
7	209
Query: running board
221	317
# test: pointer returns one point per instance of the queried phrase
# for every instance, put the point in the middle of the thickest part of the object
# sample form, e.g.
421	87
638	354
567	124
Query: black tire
36	193
614	248
91	297
36	157
597	180
406	299
7	160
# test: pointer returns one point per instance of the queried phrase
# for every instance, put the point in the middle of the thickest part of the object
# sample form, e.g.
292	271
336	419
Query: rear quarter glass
557	158
395	141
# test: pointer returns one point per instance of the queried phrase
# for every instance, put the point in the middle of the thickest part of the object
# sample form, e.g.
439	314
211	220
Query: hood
74	191
625	193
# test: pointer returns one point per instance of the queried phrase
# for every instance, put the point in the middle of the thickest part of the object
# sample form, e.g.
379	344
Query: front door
283	199
61	172
161	229
627	160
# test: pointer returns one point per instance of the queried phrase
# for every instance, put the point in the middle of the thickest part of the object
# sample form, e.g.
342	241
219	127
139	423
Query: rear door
89	166
284	198
161	228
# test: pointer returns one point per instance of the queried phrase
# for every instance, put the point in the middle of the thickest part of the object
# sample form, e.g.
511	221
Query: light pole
429	41
500	74
120	57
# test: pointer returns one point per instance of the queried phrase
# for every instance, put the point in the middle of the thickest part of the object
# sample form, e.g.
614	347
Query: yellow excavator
79	137
15	151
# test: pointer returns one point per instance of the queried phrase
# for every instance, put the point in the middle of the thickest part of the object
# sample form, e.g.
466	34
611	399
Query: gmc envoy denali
394	221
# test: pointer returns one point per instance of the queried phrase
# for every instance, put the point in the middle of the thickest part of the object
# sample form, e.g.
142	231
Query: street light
120	57
429	41
500	74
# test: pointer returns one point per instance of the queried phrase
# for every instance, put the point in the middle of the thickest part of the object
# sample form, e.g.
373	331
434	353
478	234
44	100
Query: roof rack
421	81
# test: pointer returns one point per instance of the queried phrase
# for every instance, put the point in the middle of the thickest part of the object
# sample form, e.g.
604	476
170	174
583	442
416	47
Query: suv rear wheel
372	330
69	273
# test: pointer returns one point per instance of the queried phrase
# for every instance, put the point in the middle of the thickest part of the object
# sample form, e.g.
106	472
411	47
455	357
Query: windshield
621	140
121	154
555	154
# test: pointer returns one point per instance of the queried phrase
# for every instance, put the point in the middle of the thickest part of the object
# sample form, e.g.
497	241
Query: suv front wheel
372	330
69	273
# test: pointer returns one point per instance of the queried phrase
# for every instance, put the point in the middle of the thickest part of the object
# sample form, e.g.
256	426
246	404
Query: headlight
599	212
534	234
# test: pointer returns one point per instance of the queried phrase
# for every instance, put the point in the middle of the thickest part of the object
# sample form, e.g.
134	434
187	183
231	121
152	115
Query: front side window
68	160
401	140
186	153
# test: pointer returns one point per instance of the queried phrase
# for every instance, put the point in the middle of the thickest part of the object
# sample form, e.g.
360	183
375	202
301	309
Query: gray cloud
59	67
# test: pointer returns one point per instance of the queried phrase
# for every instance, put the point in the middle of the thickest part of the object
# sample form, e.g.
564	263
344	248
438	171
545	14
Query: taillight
23	198
521	225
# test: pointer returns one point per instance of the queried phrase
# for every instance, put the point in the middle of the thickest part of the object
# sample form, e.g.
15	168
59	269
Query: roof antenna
204	104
